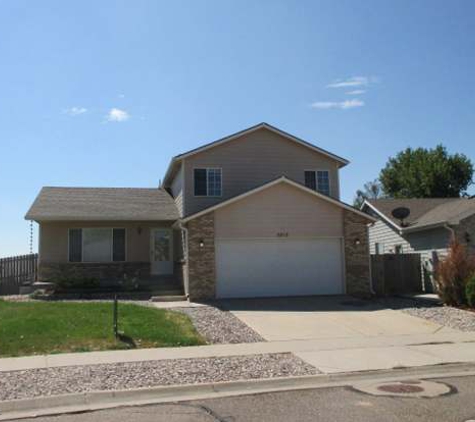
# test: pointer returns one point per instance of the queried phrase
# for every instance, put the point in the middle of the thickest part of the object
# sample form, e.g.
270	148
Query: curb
97	400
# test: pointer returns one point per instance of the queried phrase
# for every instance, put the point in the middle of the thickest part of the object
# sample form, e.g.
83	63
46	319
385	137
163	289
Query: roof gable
267	185
177	159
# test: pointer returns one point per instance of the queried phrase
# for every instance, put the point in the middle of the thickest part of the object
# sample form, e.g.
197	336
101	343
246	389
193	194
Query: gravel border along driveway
220	327
443	315
77	379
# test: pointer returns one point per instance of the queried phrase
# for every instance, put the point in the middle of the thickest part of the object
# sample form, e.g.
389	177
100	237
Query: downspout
371	289
451	230
186	283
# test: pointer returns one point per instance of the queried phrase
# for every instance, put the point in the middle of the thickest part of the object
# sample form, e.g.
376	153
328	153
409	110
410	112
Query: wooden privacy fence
16	271
396	273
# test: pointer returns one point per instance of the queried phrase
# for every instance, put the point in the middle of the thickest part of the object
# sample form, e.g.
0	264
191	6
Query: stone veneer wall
201	260
102	271
356	256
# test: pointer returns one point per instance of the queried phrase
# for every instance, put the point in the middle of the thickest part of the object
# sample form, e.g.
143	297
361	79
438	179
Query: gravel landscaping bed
443	315
76	379
220	327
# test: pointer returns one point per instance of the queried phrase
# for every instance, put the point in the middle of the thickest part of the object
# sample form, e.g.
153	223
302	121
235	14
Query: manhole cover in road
409	388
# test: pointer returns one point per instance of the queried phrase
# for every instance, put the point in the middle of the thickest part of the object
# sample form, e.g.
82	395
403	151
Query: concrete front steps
167	291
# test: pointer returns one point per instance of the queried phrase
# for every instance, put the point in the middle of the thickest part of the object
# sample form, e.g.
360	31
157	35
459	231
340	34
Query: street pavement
337	404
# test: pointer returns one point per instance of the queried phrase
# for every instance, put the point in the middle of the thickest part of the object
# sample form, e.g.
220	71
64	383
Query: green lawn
31	328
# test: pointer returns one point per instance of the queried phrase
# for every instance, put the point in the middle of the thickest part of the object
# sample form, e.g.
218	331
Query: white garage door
278	267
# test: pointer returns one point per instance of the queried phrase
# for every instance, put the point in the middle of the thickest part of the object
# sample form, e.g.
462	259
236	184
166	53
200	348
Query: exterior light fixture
357	241
467	237
202	243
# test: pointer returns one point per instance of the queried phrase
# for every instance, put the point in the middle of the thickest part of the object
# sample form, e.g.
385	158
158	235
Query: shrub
67	279
470	291
452	274
130	283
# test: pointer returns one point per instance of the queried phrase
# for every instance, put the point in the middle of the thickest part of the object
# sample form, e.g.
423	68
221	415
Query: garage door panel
278	267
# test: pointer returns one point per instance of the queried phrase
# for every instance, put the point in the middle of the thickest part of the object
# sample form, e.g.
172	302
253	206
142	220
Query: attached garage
281	239
279	242
278	267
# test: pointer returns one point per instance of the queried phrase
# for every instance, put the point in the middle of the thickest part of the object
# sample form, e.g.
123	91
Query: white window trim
207	169
112	246
316	180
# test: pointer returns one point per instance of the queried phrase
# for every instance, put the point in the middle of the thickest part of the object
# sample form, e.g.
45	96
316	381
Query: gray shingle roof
427	212
117	204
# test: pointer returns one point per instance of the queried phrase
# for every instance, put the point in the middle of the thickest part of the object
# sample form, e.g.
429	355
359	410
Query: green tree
426	173
371	190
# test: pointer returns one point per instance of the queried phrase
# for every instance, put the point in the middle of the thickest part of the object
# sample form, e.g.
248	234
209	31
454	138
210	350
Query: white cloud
117	115
342	105
356	92
350	82
75	111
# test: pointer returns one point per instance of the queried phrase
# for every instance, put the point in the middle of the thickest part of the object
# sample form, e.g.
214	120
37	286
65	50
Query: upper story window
318	180
207	182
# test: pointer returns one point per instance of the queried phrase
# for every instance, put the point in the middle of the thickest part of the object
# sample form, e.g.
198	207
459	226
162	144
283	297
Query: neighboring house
428	230
254	214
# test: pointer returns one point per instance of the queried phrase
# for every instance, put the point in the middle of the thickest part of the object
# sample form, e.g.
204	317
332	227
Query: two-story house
253	214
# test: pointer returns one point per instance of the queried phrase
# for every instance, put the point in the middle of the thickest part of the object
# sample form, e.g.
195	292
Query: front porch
112	256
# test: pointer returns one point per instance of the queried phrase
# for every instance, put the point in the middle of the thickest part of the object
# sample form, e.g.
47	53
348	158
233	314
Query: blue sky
104	93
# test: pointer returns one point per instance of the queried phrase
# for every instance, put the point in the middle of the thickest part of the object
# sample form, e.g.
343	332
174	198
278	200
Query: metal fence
16	271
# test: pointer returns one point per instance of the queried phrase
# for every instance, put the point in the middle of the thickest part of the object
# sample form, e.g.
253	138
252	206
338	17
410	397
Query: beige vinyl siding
252	160
177	190
53	239
279	209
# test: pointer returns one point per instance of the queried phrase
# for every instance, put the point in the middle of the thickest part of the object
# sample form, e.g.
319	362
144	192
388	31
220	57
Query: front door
161	252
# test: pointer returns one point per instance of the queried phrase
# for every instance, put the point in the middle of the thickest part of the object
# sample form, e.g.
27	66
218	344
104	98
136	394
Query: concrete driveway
324	317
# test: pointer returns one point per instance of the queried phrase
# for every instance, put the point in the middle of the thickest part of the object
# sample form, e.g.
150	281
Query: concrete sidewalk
331	355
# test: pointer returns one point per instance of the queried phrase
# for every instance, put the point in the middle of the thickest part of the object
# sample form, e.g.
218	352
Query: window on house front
398	249
207	182
318	180
96	245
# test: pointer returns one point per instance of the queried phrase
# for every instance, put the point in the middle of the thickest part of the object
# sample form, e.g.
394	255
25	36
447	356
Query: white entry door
161	252
278	267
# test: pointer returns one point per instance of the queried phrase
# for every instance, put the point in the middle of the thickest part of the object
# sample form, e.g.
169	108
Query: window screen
214	182
97	245
323	182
